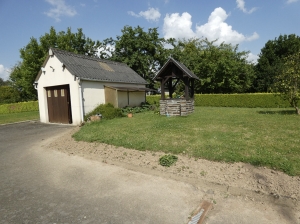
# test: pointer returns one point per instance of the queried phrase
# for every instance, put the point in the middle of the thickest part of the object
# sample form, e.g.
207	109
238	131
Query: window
62	92
55	93
49	93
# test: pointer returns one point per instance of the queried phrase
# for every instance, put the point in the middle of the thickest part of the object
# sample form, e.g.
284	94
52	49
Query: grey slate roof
179	65
95	69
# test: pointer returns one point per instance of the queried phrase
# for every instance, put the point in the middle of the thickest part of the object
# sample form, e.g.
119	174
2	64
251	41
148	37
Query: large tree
220	68
287	82
143	51
35	52
271	60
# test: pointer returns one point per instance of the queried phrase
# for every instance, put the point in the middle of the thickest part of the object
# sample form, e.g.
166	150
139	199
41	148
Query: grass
17	117
262	137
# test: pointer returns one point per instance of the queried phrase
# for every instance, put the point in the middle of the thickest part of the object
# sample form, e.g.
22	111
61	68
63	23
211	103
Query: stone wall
176	107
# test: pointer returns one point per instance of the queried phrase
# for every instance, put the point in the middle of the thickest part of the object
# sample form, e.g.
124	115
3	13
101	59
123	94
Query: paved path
38	185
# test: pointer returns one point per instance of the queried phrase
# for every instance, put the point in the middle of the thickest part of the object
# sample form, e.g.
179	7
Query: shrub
246	100
9	95
142	108
106	110
19	107
153	99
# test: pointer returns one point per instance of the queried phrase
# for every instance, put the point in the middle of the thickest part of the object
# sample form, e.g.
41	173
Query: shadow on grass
281	112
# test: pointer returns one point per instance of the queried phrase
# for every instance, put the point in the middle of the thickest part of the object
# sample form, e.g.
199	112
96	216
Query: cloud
60	9
177	26
252	58
291	1
151	14
4	72
241	6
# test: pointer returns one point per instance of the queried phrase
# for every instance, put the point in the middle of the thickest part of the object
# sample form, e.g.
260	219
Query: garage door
59	104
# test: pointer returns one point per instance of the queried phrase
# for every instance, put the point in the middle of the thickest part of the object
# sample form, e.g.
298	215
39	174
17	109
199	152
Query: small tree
287	83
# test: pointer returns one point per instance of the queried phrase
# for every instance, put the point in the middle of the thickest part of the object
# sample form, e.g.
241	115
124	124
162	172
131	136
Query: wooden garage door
59	104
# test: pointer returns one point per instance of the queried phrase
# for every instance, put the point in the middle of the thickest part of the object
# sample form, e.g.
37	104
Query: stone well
176	107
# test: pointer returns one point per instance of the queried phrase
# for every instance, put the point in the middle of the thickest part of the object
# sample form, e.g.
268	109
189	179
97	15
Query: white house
70	85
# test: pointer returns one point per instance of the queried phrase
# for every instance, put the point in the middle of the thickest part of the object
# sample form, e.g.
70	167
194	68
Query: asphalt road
44	186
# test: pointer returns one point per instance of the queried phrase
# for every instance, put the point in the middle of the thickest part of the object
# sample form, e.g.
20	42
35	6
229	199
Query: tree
4	83
35	52
142	51
287	82
8	95
220	68
271	59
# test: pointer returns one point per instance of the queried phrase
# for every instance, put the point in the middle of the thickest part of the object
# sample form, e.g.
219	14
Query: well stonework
176	107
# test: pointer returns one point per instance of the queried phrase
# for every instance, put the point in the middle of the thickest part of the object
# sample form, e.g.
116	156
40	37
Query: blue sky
249	23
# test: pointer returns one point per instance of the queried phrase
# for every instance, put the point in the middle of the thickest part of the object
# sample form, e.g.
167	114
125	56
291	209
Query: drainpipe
80	99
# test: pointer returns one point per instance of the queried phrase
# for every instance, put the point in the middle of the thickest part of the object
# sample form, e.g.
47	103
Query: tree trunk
297	110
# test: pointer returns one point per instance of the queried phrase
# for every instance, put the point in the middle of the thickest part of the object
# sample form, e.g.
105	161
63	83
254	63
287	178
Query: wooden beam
186	90
192	88
162	90
170	86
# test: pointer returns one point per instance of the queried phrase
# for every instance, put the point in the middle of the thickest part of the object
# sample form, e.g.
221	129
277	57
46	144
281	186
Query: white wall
94	94
58	76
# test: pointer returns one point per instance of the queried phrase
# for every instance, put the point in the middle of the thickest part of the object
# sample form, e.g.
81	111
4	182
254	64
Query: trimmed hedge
247	100
19	107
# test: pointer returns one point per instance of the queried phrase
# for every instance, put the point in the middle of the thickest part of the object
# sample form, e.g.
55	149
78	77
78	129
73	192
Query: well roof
179	65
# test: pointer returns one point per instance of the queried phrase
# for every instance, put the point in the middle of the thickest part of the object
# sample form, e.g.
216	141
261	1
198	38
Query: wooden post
170	88
186	91
162	89
192	88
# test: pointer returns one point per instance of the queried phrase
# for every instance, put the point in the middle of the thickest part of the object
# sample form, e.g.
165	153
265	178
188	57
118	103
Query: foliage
220	68
143	51
35	52
18	117
253	100
287	82
19	107
249	135
271	60
142	108
108	111
9	94
168	160
247	100
4	83
153	99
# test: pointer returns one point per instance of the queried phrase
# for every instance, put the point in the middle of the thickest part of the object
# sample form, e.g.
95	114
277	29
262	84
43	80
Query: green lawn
262	137
17	117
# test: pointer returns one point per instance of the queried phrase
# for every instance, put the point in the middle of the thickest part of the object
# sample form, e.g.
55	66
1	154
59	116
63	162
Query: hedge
19	107
249	100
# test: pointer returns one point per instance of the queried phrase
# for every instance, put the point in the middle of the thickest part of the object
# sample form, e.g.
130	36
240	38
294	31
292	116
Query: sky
248	23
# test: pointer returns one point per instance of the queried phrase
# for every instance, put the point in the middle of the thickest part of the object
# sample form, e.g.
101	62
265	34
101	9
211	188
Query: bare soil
237	179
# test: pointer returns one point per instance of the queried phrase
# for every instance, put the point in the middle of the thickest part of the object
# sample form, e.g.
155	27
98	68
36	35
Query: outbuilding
71	85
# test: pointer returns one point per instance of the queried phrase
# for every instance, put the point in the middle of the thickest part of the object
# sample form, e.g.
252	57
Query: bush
9	95
144	107
153	99
19	107
106	110
247	100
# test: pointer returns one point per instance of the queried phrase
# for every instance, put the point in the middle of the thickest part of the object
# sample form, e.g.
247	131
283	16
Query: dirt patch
235	178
